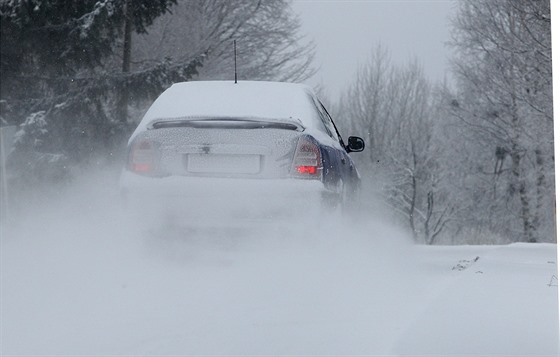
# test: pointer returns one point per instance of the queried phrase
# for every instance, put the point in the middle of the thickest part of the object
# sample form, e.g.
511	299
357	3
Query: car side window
329	124
325	119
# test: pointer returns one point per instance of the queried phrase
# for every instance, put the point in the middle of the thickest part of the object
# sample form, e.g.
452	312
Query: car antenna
235	60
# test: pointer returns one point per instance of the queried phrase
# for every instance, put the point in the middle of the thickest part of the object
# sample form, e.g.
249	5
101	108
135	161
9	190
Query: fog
80	275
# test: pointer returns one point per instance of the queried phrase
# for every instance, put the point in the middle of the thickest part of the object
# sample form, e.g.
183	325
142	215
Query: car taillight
143	157
307	160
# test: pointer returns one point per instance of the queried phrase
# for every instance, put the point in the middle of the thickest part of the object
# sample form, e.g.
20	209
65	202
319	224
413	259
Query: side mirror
355	144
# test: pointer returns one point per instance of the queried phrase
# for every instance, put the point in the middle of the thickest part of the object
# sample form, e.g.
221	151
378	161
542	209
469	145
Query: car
245	149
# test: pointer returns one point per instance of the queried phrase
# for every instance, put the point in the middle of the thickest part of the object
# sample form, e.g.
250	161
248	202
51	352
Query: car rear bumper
207	198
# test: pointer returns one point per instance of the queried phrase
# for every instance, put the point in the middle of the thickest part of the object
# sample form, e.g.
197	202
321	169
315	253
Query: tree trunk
540	189
521	188
429	238
414	194
122	107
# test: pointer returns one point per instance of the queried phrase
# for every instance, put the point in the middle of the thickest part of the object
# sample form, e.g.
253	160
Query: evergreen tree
54	61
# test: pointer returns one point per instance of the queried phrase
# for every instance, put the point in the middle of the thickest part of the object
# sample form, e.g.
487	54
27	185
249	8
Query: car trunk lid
224	147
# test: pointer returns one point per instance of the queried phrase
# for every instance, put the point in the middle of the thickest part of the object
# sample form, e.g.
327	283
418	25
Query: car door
340	170
348	172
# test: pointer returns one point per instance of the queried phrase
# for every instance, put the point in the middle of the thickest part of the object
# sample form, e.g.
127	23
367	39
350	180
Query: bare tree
395	109
503	70
418	179
367	103
270	46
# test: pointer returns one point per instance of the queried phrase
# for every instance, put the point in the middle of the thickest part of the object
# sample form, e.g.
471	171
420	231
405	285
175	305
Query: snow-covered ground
77	278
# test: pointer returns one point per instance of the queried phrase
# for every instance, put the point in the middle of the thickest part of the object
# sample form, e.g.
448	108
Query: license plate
223	163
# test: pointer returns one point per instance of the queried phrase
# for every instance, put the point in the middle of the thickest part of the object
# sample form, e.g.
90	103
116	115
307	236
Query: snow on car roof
251	99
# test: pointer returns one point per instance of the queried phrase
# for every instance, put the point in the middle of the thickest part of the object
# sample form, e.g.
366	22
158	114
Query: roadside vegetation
473	156
469	160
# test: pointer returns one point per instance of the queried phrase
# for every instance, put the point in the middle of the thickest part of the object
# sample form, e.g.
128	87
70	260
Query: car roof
251	99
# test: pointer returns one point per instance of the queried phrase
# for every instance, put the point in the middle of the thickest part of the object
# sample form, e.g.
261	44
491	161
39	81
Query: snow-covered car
249	149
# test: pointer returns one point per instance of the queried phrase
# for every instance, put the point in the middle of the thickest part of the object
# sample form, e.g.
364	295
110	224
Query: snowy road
76	280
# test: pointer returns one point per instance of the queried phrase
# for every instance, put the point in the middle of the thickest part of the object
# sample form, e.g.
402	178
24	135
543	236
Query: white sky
347	31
